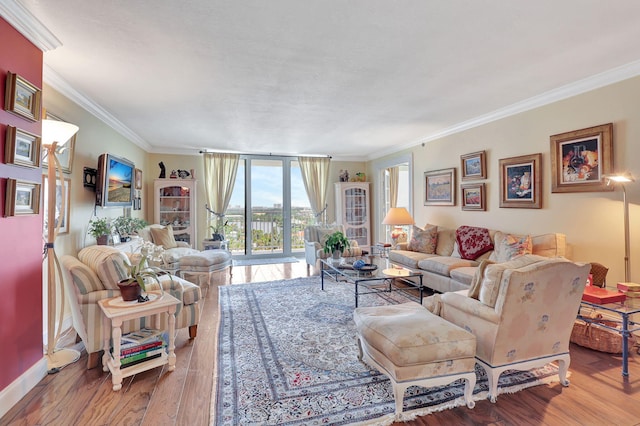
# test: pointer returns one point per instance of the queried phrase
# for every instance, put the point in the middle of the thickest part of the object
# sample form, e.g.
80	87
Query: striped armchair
94	275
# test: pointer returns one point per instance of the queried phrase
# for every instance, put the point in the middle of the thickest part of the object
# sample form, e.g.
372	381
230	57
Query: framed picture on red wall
22	98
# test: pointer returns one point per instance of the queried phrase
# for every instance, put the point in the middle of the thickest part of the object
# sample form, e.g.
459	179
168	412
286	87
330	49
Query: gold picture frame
22	148
521	182
581	158
440	187
473	166
473	196
64	152
138	179
21	198
22	97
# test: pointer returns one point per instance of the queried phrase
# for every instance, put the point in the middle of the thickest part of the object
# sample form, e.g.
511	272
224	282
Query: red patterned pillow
473	241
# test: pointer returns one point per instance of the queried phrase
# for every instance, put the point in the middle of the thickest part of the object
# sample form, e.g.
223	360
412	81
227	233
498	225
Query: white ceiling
354	79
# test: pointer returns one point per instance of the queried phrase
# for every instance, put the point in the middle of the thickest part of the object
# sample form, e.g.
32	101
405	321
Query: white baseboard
10	395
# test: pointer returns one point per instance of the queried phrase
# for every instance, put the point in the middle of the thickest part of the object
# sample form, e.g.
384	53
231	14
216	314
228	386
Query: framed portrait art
22	98
64	153
473	196
440	187
473	166
60	187
21	198
22	148
521	182
581	158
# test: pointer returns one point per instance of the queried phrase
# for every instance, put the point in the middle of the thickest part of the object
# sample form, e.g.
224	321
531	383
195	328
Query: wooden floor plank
598	394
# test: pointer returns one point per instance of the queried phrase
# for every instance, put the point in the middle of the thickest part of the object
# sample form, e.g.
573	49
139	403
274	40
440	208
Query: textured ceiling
351	78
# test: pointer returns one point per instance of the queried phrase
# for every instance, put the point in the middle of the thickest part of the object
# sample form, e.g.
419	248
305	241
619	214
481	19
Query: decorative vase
129	291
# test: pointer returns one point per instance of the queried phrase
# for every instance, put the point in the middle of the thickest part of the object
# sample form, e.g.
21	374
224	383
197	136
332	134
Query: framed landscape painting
581	158
473	166
473	196
22	148
22	98
21	198
440	187
521	181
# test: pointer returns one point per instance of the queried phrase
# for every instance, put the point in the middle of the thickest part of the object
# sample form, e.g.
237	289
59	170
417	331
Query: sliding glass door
269	208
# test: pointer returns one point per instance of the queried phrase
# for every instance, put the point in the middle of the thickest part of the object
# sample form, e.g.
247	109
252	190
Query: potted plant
336	243
131	288
127	226
217	231
100	228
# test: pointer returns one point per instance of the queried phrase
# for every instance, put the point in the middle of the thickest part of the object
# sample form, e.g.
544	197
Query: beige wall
593	222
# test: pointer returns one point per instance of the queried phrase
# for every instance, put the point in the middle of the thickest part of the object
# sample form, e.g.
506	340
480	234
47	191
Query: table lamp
54	135
398	217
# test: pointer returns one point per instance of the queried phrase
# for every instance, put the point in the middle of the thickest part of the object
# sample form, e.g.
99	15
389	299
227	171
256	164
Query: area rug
264	261
287	355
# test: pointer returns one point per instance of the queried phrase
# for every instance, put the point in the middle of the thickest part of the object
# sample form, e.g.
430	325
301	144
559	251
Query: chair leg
193	331
398	395
563	368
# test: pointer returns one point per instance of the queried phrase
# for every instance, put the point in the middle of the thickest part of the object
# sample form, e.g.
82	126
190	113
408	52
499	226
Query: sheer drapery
220	177
315	175
394	173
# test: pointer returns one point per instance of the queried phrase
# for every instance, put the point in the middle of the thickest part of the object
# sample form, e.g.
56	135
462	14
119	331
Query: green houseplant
100	228
336	243
131	288
127	226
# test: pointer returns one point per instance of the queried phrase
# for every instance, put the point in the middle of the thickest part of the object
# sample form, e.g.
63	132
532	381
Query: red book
601	295
140	348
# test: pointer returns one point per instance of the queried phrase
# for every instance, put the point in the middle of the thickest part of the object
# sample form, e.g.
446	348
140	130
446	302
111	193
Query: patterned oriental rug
287	355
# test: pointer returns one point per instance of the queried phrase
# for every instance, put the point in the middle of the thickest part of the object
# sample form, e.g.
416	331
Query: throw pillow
164	237
473	241
476	281
424	240
509	246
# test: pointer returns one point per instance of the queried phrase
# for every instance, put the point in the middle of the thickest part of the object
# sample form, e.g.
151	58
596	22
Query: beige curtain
220	177
315	175
394	172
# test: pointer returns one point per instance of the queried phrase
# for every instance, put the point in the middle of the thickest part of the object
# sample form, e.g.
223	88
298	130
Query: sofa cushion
424	240
490	285
173	255
465	275
473	241
107	263
408	258
443	265
164	237
549	245
508	246
446	241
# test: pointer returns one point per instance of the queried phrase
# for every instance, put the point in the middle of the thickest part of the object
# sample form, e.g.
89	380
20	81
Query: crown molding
53	79
578	87
28	25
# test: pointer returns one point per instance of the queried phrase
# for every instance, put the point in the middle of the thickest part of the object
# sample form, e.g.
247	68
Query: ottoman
415	348
204	263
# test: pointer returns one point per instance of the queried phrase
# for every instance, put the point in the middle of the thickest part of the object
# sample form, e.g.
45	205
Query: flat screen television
114	183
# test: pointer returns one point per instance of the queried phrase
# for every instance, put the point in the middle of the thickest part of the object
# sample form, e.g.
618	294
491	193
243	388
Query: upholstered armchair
94	275
314	238
521	312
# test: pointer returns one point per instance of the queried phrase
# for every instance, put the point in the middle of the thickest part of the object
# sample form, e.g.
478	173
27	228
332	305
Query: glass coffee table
378	276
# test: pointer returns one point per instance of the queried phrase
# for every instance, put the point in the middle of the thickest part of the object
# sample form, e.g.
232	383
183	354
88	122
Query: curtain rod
266	155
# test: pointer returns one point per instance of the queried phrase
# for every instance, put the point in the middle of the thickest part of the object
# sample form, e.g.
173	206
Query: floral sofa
448	258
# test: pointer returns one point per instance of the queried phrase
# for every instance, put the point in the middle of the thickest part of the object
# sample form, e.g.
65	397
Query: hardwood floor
598	395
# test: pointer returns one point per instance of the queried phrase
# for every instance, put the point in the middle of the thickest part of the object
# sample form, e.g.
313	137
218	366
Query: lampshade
398	216
57	131
620	178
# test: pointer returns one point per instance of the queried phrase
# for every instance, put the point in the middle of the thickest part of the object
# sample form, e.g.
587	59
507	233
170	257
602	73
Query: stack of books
142	345
632	294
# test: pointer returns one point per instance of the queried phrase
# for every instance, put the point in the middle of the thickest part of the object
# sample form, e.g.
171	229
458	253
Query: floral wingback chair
522	314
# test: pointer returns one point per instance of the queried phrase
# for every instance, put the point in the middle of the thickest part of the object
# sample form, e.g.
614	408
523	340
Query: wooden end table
116	311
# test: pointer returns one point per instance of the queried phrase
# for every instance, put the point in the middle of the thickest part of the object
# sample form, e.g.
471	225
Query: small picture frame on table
22	98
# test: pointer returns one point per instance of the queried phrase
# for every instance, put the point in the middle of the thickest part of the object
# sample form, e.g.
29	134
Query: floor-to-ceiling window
269	208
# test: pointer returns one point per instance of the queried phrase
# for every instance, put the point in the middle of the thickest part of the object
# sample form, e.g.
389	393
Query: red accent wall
21	241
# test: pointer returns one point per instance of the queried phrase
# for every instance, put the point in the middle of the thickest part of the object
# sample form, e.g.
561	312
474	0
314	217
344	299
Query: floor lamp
54	135
621	179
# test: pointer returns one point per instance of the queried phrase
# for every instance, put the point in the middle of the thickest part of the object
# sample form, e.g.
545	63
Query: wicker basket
592	336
